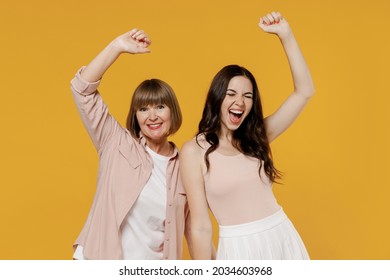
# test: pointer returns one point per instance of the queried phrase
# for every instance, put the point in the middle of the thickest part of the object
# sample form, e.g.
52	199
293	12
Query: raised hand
303	88
275	23
135	41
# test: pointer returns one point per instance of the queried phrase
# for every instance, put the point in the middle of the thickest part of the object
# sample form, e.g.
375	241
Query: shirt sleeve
99	123
83	87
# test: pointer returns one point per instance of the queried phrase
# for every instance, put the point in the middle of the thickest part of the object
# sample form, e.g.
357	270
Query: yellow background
335	157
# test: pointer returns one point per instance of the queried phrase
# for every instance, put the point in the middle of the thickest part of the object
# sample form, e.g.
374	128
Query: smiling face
154	122
236	104
154	111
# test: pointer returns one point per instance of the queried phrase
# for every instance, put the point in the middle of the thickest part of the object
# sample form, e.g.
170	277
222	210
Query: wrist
115	47
287	37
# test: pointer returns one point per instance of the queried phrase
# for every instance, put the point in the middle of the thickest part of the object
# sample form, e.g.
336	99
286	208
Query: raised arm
93	111
201	228
133	42
279	121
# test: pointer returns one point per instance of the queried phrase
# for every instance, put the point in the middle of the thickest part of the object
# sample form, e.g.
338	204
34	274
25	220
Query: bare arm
192	177
279	121
133	42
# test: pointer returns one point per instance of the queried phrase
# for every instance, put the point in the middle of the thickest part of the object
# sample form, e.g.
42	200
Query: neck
163	148
225	135
226	141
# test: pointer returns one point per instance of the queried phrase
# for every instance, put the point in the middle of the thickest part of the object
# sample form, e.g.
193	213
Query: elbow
306	92
203	229
310	92
305	87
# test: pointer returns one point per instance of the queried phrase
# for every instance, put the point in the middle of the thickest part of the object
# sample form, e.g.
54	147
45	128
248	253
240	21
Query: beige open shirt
124	168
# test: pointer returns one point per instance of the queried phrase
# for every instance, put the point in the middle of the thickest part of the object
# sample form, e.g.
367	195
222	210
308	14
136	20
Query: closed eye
231	92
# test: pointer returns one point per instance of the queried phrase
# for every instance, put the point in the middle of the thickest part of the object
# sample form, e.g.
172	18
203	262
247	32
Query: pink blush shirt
124	168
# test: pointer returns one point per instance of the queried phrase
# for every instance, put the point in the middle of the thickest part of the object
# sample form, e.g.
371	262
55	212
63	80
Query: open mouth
154	126
235	116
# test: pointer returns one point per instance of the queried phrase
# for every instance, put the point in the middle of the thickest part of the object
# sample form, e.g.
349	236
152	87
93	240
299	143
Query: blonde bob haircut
153	92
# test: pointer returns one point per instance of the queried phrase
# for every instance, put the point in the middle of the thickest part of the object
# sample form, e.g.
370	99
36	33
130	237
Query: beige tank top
235	192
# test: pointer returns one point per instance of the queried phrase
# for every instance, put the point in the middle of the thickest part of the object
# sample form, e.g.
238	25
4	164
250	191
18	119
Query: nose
152	115
239	99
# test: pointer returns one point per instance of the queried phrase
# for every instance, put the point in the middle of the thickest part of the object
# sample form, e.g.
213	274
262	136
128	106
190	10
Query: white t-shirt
143	227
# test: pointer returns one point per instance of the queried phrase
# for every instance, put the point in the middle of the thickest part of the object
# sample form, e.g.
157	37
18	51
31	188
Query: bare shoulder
190	149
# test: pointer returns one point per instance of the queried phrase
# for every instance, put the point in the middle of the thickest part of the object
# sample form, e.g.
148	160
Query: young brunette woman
228	166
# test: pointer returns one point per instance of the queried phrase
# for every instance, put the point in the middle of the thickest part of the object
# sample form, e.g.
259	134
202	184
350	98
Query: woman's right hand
135	41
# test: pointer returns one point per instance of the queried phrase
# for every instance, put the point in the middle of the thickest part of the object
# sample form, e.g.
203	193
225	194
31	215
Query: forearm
202	244
100	64
303	83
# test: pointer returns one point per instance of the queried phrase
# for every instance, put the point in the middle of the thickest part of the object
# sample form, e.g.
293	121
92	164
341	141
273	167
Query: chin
234	127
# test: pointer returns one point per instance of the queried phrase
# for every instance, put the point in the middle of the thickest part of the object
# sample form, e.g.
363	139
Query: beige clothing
235	192
124	168
252	225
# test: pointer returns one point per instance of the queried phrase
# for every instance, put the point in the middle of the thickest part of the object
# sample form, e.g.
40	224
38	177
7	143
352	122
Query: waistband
253	227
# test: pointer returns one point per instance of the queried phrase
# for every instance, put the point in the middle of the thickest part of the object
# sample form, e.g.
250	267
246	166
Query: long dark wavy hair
251	137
